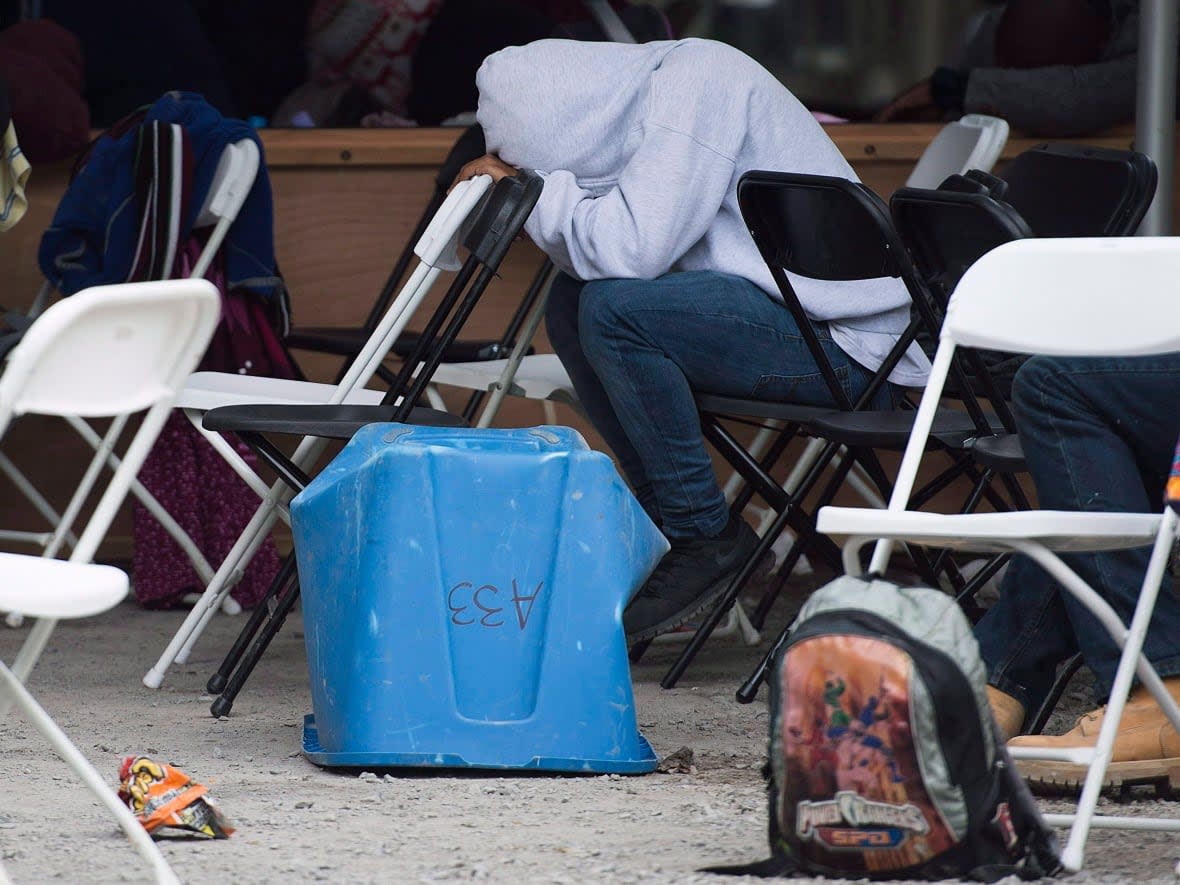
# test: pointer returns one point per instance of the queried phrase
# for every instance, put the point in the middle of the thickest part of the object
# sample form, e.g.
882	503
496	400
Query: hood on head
566	104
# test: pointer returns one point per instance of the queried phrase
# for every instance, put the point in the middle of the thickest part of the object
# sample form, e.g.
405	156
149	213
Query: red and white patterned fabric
370	43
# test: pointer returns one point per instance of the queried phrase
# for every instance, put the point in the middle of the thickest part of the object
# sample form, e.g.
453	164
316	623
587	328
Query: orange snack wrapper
161	796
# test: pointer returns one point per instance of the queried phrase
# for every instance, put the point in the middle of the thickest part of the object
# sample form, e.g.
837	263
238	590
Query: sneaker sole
1066	779
699	605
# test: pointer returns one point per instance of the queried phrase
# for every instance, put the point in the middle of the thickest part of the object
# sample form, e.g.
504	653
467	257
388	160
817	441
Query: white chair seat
1061	530
54	588
205	391
539	376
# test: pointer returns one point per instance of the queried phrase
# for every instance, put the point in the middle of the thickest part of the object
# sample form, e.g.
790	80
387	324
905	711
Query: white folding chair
974	141
231	184
436	251
106	352
1057	297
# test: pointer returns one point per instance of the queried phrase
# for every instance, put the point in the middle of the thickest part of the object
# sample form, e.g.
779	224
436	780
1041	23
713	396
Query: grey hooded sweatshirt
641	148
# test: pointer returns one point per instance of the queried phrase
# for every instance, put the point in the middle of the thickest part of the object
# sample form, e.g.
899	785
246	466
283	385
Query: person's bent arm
1056	101
665	199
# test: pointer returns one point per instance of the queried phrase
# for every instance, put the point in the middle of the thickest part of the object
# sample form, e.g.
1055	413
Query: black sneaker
689	579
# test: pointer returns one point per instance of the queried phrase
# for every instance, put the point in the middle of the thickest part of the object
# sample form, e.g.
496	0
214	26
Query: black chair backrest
960	183
991	184
821	227
1070	190
829	228
948	231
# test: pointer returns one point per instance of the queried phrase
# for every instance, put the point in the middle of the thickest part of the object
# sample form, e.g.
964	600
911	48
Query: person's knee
1042	382
605	312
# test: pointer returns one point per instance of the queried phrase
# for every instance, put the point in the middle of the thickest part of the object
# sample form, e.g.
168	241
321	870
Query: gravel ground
300	823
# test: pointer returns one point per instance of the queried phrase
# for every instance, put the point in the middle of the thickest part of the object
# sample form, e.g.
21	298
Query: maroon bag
194	483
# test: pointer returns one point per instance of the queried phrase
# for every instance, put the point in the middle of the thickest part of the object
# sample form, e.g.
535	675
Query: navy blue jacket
94	232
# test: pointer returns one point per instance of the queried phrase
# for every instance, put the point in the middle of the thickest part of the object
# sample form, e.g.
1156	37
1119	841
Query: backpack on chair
884	761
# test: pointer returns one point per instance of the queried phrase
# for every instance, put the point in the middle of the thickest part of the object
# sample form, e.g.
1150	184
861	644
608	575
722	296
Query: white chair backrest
1100	296
439	244
1094	296
971	142
232	181
110	350
437	250
1110	296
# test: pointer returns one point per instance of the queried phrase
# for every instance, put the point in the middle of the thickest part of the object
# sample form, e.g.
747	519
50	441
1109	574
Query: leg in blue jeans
637	349
1098	435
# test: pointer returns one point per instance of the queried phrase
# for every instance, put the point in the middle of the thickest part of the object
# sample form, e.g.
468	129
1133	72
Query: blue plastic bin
462	596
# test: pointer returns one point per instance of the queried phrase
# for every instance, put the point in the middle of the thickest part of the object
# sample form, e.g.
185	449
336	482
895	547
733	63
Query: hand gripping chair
1062	297
105	352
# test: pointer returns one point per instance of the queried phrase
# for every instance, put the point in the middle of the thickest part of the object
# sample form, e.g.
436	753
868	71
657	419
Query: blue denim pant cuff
1166	668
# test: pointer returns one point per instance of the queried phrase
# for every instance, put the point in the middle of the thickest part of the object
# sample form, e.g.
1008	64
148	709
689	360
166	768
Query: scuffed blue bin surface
462	594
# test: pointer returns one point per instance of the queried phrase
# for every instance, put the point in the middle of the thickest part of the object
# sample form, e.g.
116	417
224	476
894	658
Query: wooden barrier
345	201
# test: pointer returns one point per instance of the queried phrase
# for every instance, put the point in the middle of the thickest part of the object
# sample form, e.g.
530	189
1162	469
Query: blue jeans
637	349
1098	435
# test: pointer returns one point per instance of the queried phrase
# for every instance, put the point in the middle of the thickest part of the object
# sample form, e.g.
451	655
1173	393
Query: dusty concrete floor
300	823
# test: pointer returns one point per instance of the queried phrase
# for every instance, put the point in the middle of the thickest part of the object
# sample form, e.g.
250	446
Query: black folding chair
496	225
1067	190
863	429
823	228
1071	190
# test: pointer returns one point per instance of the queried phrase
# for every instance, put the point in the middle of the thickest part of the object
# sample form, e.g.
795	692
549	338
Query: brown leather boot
1146	747
1008	712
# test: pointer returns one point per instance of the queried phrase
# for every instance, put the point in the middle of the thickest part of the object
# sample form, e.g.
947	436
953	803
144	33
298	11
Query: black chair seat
794	413
326	339
891	430
1002	453
331	422
346	341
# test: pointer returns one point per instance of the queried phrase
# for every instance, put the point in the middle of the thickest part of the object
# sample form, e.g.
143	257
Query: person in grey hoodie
663	291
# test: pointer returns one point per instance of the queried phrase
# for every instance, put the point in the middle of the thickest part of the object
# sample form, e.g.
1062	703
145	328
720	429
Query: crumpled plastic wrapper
161	796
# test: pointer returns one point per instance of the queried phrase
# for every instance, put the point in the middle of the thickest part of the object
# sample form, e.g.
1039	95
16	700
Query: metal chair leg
262	611
225	701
